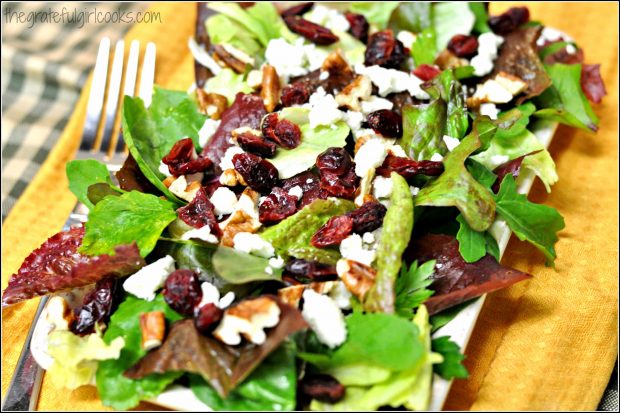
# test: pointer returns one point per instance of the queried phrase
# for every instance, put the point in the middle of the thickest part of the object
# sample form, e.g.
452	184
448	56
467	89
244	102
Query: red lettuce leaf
221	365
512	167
131	178
246	110
454	280
56	265
592	83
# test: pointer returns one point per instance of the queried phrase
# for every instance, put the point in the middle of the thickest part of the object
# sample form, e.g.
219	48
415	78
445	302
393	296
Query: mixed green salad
290	232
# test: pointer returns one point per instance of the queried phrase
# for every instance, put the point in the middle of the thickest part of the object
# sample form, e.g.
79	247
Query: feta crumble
436	157
323	109
341	295
147	280
488	43
276	262
226	162
489	109
369	156
328	17
406	38
203	233
382	187
163	168
351	248
296	191
224	201
375	103
368	238
207	130
325	318
450	142
288	59
253	244
392	80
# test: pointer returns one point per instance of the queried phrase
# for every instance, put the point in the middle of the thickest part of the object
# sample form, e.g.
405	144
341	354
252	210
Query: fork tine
114	87
131	72
148	74
95	99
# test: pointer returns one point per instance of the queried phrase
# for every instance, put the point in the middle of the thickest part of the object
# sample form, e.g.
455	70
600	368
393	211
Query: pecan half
356	91
357	277
336	64
153	327
211	104
270	90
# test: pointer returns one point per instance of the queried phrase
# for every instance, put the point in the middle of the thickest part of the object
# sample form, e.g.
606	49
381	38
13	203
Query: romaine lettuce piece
228	83
451	18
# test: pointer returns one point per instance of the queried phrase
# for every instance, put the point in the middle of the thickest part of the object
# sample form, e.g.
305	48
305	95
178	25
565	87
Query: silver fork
23	392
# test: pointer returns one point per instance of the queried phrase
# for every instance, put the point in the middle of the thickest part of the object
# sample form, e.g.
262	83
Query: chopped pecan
448	60
357	277
248	319
292	295
336	64
153	327
211	104
270	90
221	55
356	91
243	219
230	177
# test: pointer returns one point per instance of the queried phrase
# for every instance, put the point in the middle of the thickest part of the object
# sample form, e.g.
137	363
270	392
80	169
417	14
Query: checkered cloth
44	67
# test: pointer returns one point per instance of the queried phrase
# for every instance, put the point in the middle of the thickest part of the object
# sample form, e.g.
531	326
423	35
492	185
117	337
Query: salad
290	232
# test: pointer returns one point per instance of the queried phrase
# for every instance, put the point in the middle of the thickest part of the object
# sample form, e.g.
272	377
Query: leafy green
358	374
84	173
266	14
377	13
553	48
513	122
537	224
237	267
446	87
565	101
272	386
491	245
228	83
411	16
424	48
411	285
445	316
480	173
150	134
472	244
451	18
224	30
76	358
122	220
245	19
451	366
97	192
291	237
456	187
314	141
395	235
114	389
481	15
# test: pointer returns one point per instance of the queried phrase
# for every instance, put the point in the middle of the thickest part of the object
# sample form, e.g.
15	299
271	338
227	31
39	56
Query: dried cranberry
199	213
386	122
207	317
310	185
592	83
259	174
268	126
295	94
311	31
277	206
182	291
307	271
288	135
323	388
340	186
408	168
334	160
297	10
384	50
510	20
368	217
426	72
463	46
358	26
96	307
256	144
182	159
333	232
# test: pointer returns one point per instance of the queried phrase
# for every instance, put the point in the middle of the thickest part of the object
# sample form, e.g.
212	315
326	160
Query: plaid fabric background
44	67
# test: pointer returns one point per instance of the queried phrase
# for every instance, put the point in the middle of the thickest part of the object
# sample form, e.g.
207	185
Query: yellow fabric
549	343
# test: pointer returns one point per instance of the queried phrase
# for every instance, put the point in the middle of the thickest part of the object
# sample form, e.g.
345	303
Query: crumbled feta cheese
203	57
144	283
368	238
375	103
207	130
227	300
288	59
351	248
414	190
328	17
296	191
369	156
315	56
397	150
354	119
450	142
382	187
570	49
436	157
499	159
489	109
163	168
325	318
392	80
269	270
492	91
210	294
181	186
226	162
406	38
341	295
324	109
309	180
253	244
224	201
248	319
324	75
488	44
203	233
276	262
549	34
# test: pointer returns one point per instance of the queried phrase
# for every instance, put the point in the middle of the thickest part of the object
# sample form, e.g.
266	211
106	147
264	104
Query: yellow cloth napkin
549	343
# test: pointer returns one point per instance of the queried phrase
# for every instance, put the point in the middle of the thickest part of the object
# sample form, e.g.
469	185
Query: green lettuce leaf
228	83
565	101
237	267
244	18
424	48
480	26
411	16
377	13
122	220
314	141
272	386
537	224
456	187
514	122
472	244
480	173
395	235
151	133
76	358
451	18
291	237
411	285
451	367
114	389
84	173
97	192
445	316
224	30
